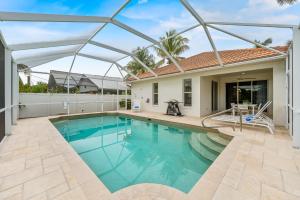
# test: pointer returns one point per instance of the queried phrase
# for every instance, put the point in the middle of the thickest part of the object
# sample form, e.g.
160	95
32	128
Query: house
87	83
94	84
60	79
250	76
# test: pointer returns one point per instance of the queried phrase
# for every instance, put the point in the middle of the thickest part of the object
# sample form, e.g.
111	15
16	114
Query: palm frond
174	44
266	42
283	2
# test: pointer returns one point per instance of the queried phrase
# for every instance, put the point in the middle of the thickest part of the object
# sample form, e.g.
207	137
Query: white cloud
263	7
148	12
142	1
281	19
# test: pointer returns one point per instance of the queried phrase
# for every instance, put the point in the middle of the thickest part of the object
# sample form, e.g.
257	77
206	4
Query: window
155	93
187	92
247	92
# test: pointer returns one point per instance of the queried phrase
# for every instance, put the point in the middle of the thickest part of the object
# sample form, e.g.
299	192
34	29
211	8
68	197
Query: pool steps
208	145
217	138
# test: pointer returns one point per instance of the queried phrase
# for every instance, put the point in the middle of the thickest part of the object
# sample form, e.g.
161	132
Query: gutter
274	58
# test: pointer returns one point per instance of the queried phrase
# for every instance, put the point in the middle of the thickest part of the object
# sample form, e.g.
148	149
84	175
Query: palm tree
267	42
289	43
282	2
143	55
175	45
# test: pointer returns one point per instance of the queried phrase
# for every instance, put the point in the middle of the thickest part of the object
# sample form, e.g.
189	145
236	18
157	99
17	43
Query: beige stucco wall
168	88
279	96
172	88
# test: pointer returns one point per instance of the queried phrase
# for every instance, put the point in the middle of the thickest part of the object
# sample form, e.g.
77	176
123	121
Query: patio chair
136	105
243	108
258	108
260	119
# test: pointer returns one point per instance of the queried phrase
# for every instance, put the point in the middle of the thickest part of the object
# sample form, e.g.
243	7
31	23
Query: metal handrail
7	108
224	111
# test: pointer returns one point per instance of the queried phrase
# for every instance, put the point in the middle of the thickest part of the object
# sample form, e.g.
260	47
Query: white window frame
184	92
155	93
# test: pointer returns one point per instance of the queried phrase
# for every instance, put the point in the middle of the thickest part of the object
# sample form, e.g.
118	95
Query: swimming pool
124	151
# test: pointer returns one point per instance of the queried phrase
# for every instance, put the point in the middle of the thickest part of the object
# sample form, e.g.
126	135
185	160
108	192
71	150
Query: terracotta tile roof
208	59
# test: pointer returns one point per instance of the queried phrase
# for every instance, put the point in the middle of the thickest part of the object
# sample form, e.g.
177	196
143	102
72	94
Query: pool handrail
222	126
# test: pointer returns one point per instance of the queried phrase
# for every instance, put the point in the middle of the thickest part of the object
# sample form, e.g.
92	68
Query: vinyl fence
47	104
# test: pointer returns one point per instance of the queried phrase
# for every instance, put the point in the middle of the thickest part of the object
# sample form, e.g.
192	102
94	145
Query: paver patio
37	163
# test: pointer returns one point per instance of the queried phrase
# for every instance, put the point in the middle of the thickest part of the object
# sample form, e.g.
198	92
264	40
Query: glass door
231	94
244	92
248	92
259	92
214	96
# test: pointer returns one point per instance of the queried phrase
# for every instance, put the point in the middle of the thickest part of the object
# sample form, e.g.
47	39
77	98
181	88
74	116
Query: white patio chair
260	119
136	105
243	108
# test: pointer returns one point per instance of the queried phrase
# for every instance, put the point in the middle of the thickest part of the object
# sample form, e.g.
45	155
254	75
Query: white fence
47	104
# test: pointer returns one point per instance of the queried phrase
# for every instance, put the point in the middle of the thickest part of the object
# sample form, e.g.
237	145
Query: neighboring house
87	83
93	84
60	79
248	76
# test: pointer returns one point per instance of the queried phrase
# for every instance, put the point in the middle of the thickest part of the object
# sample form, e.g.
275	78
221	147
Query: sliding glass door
244	92
231	94
247	92
259	92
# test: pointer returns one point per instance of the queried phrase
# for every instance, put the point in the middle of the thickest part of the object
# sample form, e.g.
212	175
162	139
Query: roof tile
208	59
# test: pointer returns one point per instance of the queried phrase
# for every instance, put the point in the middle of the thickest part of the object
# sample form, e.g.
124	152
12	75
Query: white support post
126	97
166	38
15	93
69	83
202	22
295	87
8	89
47	44
247	40
105	46
117	95
124	69
68	92
38	17
103	26
251	24
145	37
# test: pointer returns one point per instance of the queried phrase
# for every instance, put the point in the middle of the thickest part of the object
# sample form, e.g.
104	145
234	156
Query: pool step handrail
233	109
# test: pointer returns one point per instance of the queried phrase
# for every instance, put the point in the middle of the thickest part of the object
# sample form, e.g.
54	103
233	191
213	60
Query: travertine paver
36	163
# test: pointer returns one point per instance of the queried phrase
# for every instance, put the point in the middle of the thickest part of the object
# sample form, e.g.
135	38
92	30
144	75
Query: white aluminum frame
145	37
105	46
12	16
33	17
247	40
39	59
39	45
109	61
202	22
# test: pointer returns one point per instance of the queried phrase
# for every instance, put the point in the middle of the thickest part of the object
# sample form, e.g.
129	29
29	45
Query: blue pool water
123	151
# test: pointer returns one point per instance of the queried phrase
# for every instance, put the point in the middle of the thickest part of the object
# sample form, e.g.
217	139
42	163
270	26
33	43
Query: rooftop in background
208	59
59	78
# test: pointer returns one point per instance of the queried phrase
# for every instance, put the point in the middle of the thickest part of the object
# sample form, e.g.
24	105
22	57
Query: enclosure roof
108	82
117	26
76	79
60	78
208	59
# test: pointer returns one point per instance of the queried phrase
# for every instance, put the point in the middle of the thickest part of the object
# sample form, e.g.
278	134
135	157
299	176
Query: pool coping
255	165
206	185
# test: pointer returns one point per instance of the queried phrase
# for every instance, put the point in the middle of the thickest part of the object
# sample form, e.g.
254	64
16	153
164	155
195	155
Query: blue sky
153	17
